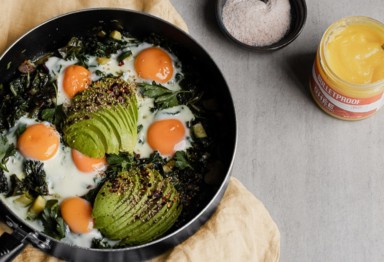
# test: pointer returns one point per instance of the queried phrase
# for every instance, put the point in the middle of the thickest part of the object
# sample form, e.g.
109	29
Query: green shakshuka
103	143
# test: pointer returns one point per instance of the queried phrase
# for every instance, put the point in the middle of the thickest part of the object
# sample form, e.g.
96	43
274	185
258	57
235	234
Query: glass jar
331	90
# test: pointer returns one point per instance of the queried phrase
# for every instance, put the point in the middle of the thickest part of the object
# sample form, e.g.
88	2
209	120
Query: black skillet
55	33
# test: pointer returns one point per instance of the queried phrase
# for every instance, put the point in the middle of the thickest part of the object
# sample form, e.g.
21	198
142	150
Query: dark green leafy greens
6	151
181	160
34	182
4	188
20	129
27	94
53	223
35	178
100	243
119	162
55	115
99	43
32	92
164	98
16	186
73	48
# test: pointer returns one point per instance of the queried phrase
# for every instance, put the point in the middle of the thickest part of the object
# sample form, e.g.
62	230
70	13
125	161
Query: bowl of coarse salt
261	25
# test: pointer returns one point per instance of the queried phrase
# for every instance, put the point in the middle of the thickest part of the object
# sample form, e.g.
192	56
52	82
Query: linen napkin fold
241	229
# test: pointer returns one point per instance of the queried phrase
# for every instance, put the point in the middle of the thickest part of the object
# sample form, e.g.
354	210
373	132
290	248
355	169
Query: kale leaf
26	94
35	181
52	221
73	48
4	188
6	151
33	184
17	186
55	115
164	98
118	163
181	160
100	243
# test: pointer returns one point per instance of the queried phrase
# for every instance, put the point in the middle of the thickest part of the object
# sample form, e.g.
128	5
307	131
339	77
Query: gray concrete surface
322	179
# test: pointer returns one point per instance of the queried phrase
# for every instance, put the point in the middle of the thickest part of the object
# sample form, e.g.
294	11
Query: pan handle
12	244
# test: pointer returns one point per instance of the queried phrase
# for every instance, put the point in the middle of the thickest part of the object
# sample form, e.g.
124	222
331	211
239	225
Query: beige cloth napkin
241	229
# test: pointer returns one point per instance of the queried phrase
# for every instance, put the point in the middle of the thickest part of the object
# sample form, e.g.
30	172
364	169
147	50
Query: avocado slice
108	111
135	217
103	124
93	146
123	134
148	231
136	207
108	219
142	221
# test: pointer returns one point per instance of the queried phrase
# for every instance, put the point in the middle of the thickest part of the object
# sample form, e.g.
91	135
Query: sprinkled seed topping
101	94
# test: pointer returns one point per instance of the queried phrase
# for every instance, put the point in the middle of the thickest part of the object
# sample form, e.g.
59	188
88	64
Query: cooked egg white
63	177
56	67
146	118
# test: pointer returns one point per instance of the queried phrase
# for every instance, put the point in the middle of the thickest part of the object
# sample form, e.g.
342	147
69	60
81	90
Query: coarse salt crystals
255	22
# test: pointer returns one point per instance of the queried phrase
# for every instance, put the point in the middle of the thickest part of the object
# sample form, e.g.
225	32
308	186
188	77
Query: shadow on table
299	68
209	11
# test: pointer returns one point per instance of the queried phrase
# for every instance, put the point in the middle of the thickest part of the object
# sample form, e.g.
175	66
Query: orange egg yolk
163	135
154	64
76	79
87	164
39	142
77	213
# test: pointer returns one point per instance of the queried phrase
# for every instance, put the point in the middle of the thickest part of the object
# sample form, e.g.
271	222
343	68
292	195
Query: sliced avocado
122	135
131	114
108	110
139	203
131	122
157	224
111	144
156	227
98	129
112	131
92	147
141	220
106	219
142	216
133	219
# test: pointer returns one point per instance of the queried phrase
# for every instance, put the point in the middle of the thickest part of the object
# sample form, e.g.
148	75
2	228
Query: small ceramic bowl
298	18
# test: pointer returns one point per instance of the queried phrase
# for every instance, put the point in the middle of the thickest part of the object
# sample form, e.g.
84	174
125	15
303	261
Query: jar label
340	105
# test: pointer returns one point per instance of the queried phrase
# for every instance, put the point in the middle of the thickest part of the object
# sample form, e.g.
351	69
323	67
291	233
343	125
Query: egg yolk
76	79
87	164
39	142
163	135
154	64
77	213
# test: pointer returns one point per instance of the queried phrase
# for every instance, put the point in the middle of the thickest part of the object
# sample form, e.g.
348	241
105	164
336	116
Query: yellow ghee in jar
356	53
348	75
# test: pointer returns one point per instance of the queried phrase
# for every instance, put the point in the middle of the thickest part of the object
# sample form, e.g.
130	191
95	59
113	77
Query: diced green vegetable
116	35
25	199
124	55
199	130
103	60
101	34
37	207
